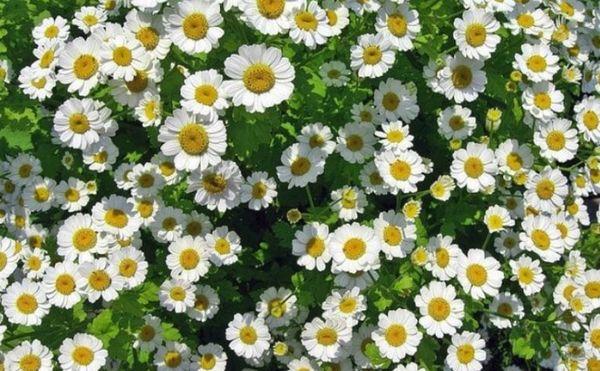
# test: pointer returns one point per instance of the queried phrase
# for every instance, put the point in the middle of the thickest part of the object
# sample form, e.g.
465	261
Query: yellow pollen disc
395	136
525	20
400	170
505	309
270	9
139	82
326	336
116	218
206	95
473	167
545	189
392	235
259	78
172	359
536	63
82	355
390	101
41	194
475	34
465	353
222	246
525	275
477	275
591	120
27	303
456	123
127	267
462	76
248	335
64	284
189	259
300	166
79	123
51	31
315	247
542	101
332	18
146	180
39	83
495	222
354	143
372	55
147	333
122	56
277	308
556	140
208	361
259	190
85	66
145	208
395	335
442	257
354	248
214	183
592	289
306	21
72	195
99	280
84	239
438	309
540	239
201	303
348	305
167	168
193	139
397	25
514	161
194	228
30	362
90	20
148	37
195	26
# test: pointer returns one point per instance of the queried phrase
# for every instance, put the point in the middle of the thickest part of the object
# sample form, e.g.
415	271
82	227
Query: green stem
310	199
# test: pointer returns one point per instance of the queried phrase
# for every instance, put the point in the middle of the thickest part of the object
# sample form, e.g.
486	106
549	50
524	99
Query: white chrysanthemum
193	25
122	56
150	334
348	202
78	239
355	142
63	284
202	93
399	23
9	257
176	295
167	168
101	155
467	352
101	280
259	190
334	73
206	304
475	34
513	157
25	303
267	16
530	20
301	165
592	337
72	195
168	224
397	236
309	24
462	79
78	123
277	306
348	304
395	101
149	31
365	113
116	215
318	136
47	54
39	194
371	180
456	122
35	261
478	274
401	170
80	65
557	140
82	352
537	62
260	77
373	55
131	265
397	334
474	167
211	357
28	356
354	247
224	246
310	245
528	273
338	16
217	187
506	305
326	340
590	283
194	140
146	180
441	312
248	335
360	7
89	19
543	101
497	218
172	356
443	257
51	29
22	169
569	229
37	83
131	93
547	190
587	116
188	258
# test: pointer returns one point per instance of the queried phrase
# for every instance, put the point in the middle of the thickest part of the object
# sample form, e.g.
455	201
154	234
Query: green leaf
373	354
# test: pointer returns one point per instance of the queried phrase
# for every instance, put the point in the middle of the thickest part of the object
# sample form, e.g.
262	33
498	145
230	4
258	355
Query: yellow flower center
354	248
397	25
99	280
438	309
127	267
122	56
146	180
525	20
545	189
177	293
390	101
206	95
90	20
476	274
100	157
354	143
592	289
193	139
85	66
465	353
372	54
195	26
39	83
222	246
27	303
315	247
172	359
3	261
189	259
395	335
72	195
556	140
400	170
259	78
525	275
84	239
591	120
270	9
395	136
332	17
495	222
456	122
148	37
542	100
30	362
540	239
208	361
167	168
147	333
392	235
194	228
82	355
536	63
348	305
169	224
326	336
349	198
51	31
248	335
201	303
306	21
64	284
277	308
567	8
41	194
442	257
116	218
462	76
139	82
259	190
475	34
595	338
505	309
514	161
214	183
145	208
79	123
473	167
375	178
300	166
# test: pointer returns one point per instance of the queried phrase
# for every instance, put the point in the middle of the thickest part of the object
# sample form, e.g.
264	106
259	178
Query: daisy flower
260	76
474	34
194	141
37	83
399	24
248	335
101	280
132	93
146	180
337	15
39	194
348	202
277	306
355	142
462	79
150	334
259	190
444	256
63	284
122	56
334	73
8	257
217	187
373	55
167	168
474	167
301	165
528	274
395	100
326	340
172	356
466	352
543	101
569	229
29	356
35	262
478	274
149	31
131	265
592	336
302	364
115	215
442	188
497	218
203	94
397	335
310	245
210	357
78	123
507	305
371	180
176	295
196	224
361	6
354	247
188	258
590	282
547	190
79	65
348	304
537	62
365	113
513	157
51	29
441	312
401	170
82	351
309	24
587	117
100	156
206	304
267	16
89	19
168	224
318	136
397	236
25	303
71	195
456	122
557	140
193	25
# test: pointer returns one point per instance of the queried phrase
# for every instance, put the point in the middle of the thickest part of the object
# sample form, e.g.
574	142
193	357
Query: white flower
37	83
395	136
310	245
224	246
51	29
80	65
193	25
194	140
203	94
39	194
309	24
149	31
89	19
537	62
475	34
528	274
149	109
557	140
25	303
217	187
172	356
587	116
373	56
326	340
168	224
456	122
176	295
72	195
354	247
497	218
442	188
248	336
82	351
543	101
8	256
592	337
337	15
478	274
206	304
355	142
507	305
63	284
513	157
401	170
101	280
211	357
78	239
441	312
122	56
277	306
443	258
467	352
260	77
188	258
268	17
547	190
348	202
131	265
334	73
395	100
348	304
150	334
474	167
397	335
301	165
115	215
259	190
462	79
101	155
28	356
397	236
399	24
